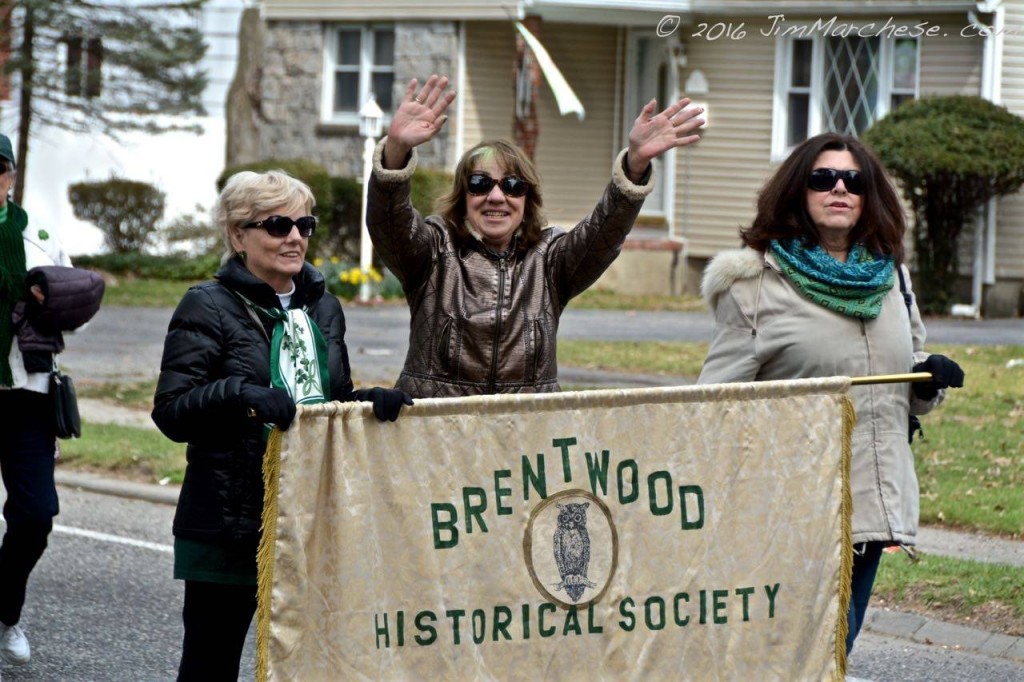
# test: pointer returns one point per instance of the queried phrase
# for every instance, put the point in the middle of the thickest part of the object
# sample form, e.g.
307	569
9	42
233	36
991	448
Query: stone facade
290	87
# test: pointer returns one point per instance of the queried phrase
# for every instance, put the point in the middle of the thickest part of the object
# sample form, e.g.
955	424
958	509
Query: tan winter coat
765	329
482	323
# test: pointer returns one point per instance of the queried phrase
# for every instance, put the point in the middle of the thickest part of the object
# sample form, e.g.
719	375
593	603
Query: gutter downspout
983	269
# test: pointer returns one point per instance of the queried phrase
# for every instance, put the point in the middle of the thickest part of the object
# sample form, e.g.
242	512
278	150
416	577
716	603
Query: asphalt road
126	343
102	605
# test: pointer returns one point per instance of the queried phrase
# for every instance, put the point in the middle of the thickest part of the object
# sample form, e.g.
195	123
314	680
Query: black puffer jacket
214	346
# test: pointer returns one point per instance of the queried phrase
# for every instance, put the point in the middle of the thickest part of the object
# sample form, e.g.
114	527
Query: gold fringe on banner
846	562
265	554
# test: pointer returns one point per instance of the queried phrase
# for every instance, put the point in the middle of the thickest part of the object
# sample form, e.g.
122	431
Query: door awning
568	102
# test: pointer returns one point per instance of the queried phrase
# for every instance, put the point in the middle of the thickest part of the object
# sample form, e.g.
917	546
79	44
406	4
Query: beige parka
765	329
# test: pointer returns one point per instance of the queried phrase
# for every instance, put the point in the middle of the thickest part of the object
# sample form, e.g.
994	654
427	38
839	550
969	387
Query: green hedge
152	267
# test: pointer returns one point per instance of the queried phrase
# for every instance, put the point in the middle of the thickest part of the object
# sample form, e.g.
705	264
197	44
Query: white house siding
574	157
730	164
385	10
1010	215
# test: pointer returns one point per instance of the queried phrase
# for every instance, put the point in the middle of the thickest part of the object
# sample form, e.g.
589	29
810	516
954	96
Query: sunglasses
825	179
480	183
281	225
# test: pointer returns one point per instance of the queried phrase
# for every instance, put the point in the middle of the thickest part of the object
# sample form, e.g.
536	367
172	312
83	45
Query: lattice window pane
851	84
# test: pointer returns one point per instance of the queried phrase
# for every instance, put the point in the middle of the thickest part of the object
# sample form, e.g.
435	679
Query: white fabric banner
691	533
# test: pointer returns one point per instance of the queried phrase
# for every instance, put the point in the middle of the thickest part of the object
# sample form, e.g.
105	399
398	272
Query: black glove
387	402
945	373
269	405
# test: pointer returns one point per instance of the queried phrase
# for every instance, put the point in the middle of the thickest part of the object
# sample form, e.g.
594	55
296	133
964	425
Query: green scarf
298	354
855	288
12	280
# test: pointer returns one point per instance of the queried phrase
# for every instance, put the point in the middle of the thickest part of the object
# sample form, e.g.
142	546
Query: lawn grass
982	595
136	453
136	395
152	293
667	358
971	461
602	299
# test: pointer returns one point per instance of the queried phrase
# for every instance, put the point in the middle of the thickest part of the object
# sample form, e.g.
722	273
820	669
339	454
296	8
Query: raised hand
654	134
418	118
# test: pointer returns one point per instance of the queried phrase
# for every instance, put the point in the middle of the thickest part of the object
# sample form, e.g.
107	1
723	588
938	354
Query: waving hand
418	118
654	134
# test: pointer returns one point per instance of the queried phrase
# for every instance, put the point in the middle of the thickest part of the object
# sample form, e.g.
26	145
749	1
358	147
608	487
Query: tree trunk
25	103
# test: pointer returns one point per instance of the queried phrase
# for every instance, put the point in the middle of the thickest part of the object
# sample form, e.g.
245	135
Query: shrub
341	234
153	267
126	211
952	155
309	172
190	233
427	185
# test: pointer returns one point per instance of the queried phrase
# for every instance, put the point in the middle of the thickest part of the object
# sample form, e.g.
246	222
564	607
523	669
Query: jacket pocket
444	344
535	350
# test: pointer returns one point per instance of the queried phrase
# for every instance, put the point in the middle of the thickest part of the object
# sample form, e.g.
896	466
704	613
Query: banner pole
890	378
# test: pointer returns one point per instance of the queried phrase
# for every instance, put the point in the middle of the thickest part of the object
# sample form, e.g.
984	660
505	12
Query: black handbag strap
914	424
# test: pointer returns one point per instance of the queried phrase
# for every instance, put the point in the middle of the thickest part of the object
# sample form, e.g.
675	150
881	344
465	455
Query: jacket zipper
497	325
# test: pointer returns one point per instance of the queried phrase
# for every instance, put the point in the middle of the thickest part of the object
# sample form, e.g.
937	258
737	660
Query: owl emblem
572	549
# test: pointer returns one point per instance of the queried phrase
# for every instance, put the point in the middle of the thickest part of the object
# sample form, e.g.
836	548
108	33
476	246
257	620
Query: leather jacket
483	322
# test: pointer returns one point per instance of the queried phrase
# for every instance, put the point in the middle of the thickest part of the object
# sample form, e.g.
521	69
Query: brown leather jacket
483	323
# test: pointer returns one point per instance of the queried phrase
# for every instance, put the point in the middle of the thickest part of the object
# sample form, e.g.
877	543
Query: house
184	165
769	73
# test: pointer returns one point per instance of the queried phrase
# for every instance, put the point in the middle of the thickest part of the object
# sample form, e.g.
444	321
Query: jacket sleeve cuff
394	176
636	192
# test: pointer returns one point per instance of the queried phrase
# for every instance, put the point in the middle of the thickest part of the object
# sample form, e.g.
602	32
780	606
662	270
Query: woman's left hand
654	133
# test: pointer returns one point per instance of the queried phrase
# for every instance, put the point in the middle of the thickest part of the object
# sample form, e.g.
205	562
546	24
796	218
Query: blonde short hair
247	194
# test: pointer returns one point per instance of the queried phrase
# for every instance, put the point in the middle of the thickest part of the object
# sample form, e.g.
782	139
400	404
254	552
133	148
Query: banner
690	533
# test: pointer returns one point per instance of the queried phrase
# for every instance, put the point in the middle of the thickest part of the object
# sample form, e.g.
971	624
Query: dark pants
27	446
217	618
865	566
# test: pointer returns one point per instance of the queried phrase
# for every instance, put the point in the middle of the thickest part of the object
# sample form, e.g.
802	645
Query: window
359	60
838	83
83	66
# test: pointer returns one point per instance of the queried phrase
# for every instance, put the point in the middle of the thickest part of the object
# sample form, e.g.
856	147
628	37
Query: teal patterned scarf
855	288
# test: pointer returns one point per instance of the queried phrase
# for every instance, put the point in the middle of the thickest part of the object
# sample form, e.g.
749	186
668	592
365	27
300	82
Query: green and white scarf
12	280
298	354
855	288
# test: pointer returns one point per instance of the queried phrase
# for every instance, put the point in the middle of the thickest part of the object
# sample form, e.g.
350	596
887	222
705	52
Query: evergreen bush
126	211
951	154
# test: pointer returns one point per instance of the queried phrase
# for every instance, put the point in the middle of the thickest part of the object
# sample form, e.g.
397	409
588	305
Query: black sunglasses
481	183
281	225
825	179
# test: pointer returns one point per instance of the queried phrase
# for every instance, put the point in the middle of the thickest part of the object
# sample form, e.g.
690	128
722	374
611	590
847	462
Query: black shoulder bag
913	423
65	404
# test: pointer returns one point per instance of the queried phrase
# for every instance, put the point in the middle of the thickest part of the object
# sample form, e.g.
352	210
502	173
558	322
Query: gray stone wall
292	92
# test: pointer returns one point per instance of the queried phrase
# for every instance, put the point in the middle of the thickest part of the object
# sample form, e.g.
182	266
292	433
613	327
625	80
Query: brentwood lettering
625	481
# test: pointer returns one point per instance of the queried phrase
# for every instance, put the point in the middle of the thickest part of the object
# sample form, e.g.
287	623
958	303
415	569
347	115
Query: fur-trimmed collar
728	267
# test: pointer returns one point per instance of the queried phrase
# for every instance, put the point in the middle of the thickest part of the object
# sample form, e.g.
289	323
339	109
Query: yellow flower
318	262
334	260
344	277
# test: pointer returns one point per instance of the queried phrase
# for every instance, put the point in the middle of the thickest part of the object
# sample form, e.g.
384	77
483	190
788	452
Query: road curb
948	635
98	484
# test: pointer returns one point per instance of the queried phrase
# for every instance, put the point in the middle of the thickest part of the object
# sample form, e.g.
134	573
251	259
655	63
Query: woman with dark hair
486	282
817	292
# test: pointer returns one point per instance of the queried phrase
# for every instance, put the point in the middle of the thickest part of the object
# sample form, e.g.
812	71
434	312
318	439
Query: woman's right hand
418	118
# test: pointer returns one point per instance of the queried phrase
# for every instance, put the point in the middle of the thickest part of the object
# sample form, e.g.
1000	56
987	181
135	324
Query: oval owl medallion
571	548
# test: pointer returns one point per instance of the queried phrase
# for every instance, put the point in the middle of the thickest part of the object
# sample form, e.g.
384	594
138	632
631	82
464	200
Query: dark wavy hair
511	159
782	202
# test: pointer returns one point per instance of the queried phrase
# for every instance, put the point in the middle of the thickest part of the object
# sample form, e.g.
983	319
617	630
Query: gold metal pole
890	378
